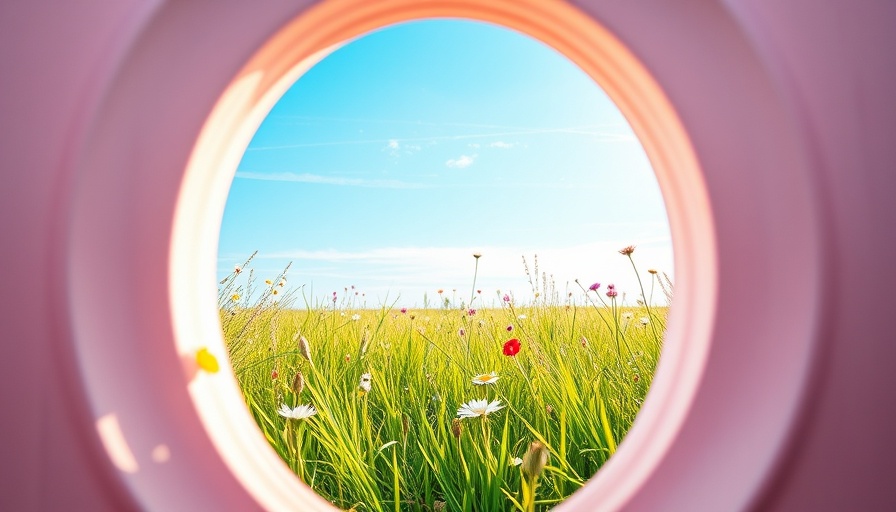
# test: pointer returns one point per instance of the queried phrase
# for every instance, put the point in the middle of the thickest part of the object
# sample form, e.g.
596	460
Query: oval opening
440	220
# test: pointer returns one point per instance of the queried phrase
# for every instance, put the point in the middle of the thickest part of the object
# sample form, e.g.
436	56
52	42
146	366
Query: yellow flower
207	361
235	297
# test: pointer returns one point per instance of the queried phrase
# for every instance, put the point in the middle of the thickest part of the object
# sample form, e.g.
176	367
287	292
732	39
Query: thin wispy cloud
327	180
502	145
462	162
622	135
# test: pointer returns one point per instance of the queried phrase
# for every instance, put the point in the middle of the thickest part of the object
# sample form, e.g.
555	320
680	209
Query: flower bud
456	429
534	460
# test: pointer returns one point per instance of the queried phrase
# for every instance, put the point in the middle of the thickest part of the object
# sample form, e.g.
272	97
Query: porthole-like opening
440	220
238	114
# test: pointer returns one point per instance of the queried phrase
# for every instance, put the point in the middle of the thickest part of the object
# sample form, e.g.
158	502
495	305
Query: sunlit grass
447	408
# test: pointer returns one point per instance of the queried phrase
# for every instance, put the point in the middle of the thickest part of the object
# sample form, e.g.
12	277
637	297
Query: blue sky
393	160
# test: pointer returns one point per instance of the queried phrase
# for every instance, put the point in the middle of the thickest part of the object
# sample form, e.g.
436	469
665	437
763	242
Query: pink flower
404	310
471	312
594	287
511	347
506	298
611	290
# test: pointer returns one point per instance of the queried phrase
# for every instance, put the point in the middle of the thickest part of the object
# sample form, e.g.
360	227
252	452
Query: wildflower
522	317
584	341
636	378
461	332
509	328
477	408
516	461
611	291
594	287
268	282
549	409
282	283
535	460
364	384
235	297
645	320
627	315
627	251
485	378
274	374
506	298
477	255
651	270
299	413
348	358
206	360
298	383
479	292
456	428
441	291
237	269
404	310
356	317
471	312
511	347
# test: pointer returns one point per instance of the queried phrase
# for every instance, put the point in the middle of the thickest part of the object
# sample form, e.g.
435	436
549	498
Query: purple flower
509	328
404	310
594	287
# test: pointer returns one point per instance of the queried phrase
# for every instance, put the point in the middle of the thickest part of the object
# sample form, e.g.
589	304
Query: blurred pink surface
829	64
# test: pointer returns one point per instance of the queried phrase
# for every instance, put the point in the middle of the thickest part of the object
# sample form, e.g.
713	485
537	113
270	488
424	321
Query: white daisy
476	408
299	413
356	317
645	320
365	383
485	378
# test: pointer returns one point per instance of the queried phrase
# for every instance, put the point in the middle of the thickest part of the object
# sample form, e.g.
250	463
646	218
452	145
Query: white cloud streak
327	180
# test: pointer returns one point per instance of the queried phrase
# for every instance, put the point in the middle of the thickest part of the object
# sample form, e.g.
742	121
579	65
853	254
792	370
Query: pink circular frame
150	200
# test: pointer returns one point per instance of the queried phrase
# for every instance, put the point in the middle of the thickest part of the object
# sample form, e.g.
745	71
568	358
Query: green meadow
448	407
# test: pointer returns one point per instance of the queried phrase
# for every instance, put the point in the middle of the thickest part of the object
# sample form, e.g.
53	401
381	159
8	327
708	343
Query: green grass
576	386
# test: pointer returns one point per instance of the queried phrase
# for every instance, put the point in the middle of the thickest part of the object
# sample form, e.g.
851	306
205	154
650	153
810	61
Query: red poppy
511	347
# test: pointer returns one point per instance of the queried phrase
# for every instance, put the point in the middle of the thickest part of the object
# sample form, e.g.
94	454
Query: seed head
305	349
298	383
